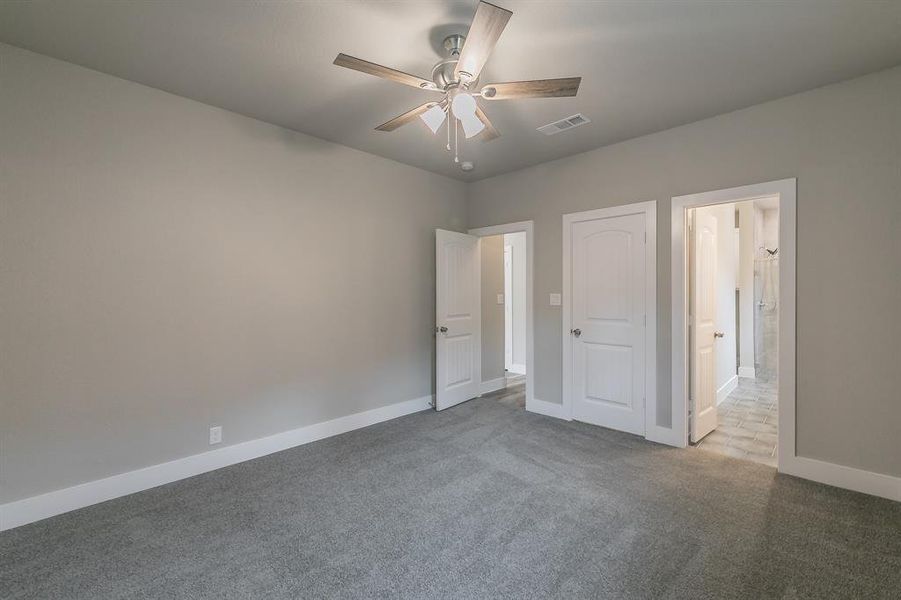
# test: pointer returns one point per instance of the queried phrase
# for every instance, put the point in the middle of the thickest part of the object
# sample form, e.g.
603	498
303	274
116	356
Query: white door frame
649	210
786	190
528	228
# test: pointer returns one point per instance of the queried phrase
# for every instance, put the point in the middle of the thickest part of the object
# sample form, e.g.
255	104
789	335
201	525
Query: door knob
718	334
442	329
576	332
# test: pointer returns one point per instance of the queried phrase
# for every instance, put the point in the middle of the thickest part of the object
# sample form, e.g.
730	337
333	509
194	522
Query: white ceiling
646	66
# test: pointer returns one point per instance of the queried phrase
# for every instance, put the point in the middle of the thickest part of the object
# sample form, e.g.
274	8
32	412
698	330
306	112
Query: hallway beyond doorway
747	423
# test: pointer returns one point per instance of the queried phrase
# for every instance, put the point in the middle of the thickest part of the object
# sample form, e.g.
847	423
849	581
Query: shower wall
766	294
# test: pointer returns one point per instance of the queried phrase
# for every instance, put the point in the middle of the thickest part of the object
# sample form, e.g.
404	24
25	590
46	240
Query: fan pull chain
448	130
456	143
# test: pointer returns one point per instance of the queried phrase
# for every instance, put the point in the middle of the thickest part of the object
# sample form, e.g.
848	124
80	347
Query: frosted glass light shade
464	105
433	118
472	125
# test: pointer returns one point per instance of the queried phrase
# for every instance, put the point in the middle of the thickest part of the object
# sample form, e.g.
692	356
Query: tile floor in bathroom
748	423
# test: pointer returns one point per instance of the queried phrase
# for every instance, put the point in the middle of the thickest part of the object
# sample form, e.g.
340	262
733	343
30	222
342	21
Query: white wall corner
35	508
747	372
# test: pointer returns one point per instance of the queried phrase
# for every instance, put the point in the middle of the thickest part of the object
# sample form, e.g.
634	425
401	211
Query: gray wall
492	312
168	266
843	143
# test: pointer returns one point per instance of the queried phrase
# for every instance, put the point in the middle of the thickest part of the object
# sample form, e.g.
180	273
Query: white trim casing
649	209
35	508
528	227
788	298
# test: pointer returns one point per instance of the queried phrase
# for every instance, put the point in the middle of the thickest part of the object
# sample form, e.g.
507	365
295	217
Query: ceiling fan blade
541	88
487	26
364	66
405	118
489	133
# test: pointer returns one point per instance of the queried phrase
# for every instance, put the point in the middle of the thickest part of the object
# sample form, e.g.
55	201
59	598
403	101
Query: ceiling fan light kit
464	108
457	77
434	117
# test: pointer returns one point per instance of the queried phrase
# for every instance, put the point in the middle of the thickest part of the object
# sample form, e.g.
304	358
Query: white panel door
458	320
608	322
702	305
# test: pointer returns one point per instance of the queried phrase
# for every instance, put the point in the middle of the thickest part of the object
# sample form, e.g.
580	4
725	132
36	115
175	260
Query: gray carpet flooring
483	500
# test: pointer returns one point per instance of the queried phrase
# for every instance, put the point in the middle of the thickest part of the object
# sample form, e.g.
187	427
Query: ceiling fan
457	78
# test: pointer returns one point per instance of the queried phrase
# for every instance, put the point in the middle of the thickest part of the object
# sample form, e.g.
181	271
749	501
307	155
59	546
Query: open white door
609	293
459	318
703	324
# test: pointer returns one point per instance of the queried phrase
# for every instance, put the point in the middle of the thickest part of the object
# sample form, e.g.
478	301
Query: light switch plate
215	435
555	300
500	298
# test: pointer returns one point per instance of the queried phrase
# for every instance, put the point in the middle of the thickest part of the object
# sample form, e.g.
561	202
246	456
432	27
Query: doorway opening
515	307
471	309
507	347
504	337
733	328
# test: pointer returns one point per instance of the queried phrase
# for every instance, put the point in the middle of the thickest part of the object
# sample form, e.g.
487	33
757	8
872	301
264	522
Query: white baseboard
517	368
28	510
492	385
549	409
747	372
867	482
726	389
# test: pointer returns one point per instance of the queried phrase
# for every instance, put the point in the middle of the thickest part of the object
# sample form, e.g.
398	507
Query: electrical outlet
555	300
215	435
500	298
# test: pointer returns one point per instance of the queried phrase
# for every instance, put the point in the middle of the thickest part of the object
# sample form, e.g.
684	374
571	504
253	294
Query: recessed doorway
733	337
733	304
503	285
506	307
471	309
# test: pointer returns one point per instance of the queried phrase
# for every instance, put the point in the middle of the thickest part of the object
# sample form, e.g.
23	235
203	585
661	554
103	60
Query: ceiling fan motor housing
443	72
